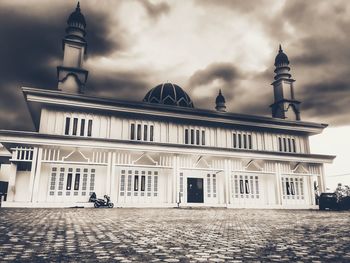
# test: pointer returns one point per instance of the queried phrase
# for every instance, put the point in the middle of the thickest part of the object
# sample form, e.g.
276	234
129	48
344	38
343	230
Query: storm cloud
203	46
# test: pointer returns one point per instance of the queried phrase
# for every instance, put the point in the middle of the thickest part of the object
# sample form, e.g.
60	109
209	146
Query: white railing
23	154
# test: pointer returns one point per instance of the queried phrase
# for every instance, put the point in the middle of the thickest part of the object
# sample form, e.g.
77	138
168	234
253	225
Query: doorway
195	190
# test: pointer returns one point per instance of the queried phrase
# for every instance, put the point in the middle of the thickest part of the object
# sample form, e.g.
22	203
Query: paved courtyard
173	235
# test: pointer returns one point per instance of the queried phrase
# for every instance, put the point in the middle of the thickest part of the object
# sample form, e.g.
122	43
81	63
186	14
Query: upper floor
119	127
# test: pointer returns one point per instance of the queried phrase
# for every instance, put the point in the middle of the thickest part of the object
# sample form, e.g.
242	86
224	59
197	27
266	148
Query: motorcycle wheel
96	205
110	205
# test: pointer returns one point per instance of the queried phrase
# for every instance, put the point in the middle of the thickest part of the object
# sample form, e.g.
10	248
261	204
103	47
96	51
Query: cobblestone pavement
173	235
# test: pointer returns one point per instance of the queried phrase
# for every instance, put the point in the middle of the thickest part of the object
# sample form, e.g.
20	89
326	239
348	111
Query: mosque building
161	152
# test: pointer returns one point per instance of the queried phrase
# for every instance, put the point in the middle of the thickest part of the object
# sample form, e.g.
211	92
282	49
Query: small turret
285	105
220	102
71	75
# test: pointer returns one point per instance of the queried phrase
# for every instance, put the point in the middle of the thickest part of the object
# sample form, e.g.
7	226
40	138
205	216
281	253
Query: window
194	136
69	181
66	130
145	133
136	183
76	181
250	141
82	127
138	132
280	144
245	186
234	140
286	144
132	132
151	133
289	145
89	128
293	145
143	183
197	137
242	140
75	126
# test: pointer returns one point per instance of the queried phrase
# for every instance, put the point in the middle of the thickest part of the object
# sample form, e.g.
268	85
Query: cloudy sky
201	45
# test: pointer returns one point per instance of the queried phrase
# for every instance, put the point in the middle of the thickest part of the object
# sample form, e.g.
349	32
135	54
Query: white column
311	189
114	180
109	174
322	187
12	171
278	184
226	181
175	180
32	175
37	174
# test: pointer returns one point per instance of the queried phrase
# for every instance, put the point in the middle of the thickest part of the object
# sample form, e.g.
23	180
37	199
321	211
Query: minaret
220	103
285	106
71	75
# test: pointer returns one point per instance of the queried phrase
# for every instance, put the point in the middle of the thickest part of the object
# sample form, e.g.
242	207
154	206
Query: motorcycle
106	202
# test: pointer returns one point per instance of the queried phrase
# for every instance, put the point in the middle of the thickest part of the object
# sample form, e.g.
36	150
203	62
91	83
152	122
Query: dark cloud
31	48
223	71
118	84
329	101
155	10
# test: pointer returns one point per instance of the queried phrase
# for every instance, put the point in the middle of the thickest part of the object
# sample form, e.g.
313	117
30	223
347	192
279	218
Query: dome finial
220	102
78	7
280	49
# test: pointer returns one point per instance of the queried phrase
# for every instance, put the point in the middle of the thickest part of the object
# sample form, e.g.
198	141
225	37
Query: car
328	200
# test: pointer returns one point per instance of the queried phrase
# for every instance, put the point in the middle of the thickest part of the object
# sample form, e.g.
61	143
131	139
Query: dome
76	18
281	58
220	98
169	94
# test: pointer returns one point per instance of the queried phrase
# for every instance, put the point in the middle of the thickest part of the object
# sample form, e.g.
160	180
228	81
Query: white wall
114	127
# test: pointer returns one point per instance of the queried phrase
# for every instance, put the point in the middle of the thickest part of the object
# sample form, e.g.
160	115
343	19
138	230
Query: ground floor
65	177
173	235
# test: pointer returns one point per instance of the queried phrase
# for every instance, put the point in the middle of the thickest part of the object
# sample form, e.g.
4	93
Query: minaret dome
220	102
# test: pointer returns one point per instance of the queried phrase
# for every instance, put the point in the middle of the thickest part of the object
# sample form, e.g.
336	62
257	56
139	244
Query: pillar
36	170
278	184
32	175
12	171
226	181
114	180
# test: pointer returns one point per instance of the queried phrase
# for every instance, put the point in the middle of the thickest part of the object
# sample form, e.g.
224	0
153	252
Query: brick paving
173	235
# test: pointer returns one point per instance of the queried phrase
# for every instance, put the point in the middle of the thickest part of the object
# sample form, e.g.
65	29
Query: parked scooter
106	202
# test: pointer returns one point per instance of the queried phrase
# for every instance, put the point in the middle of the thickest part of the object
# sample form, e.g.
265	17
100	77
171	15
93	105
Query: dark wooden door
195	190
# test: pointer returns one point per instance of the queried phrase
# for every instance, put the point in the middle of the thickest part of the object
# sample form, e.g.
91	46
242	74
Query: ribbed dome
76	18
169	94
281	58
220	98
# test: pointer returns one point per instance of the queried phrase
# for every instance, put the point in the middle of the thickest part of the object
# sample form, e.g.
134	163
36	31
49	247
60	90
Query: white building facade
162	152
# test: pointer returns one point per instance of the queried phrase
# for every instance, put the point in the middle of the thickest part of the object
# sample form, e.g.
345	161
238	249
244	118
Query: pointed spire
280	49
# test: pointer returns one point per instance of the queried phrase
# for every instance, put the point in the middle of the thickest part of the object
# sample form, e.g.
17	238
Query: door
3	190
194	190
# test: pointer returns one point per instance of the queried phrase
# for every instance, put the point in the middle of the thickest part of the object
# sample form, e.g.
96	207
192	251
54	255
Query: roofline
21	137
210	115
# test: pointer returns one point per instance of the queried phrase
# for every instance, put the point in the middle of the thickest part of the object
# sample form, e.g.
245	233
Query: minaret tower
71	75
285	105
220	102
